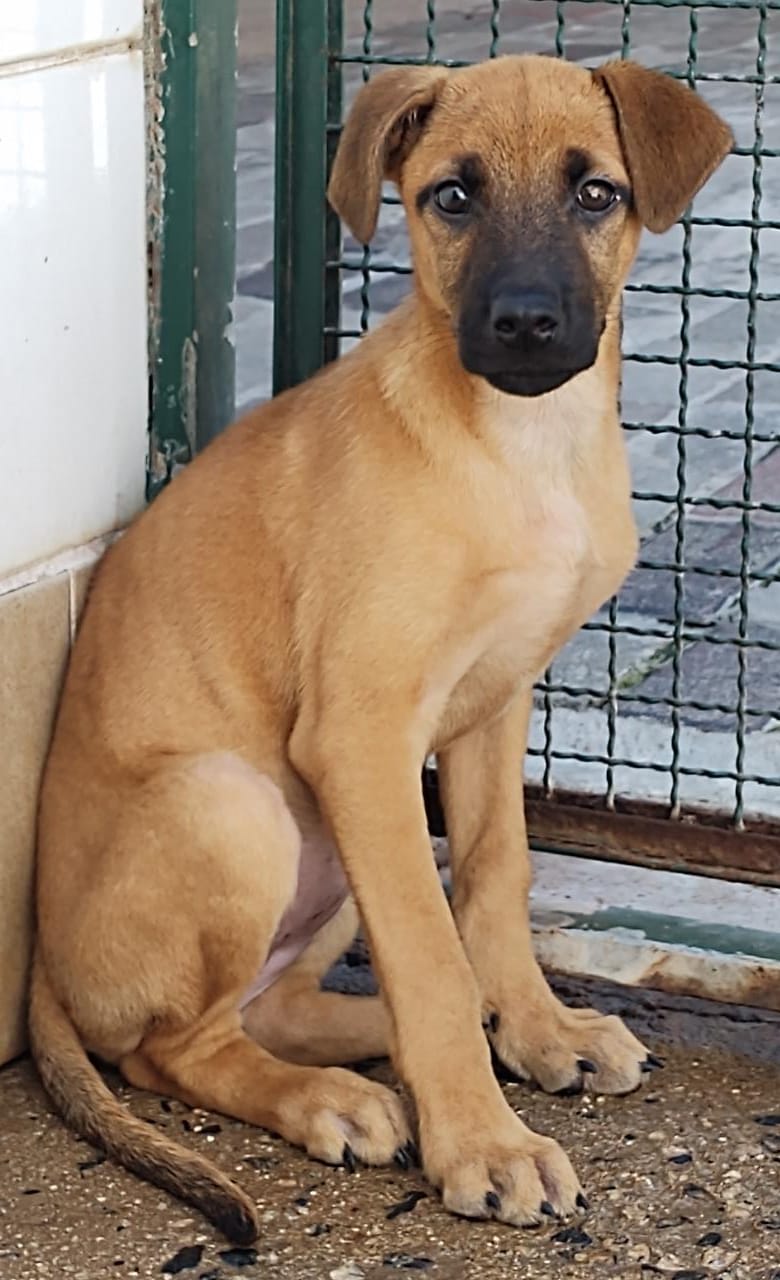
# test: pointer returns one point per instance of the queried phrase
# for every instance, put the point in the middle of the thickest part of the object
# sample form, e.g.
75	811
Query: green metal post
215	228
307	92
191	69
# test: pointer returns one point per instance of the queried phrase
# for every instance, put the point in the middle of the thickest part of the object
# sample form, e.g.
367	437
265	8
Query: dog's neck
423	369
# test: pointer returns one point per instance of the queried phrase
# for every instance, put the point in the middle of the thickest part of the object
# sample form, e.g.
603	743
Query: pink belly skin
322	889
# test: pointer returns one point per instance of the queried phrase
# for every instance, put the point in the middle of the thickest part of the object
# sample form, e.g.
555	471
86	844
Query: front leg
365	771
531	1031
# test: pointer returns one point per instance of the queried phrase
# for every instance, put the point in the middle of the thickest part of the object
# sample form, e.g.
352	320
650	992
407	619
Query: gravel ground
683	1180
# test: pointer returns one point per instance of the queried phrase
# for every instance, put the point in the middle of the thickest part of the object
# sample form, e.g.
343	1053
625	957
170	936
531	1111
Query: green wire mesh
673	691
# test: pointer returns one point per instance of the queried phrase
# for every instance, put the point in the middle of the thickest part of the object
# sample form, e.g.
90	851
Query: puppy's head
526	183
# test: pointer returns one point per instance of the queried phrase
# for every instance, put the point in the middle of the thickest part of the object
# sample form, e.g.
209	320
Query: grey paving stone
708	545
253	104
254	195
253	337
254	246
764	607
709	674
764	488
587	661
258	283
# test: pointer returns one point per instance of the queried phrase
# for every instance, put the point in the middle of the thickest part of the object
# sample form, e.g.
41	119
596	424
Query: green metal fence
190	69
656	736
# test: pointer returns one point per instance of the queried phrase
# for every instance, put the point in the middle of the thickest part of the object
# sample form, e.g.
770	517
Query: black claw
492	1201
546	1208
570	1090
401	1158
412	1152
348	1159
581	1202
651	1061
587	1066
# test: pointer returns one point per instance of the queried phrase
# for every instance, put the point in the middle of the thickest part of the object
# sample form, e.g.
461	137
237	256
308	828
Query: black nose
524	316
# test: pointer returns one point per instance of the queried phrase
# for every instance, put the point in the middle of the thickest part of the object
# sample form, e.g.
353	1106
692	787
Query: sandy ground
683	1179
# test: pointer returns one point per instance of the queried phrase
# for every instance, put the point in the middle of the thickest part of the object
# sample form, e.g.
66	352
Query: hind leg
299	1022
197	881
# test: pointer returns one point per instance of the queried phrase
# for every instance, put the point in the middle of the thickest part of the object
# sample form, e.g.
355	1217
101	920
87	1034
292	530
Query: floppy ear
672	141
385	122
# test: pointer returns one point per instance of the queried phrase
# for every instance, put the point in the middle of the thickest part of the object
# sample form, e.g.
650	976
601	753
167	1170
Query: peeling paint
189	389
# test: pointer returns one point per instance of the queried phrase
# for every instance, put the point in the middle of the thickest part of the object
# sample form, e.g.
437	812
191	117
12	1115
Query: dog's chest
520	615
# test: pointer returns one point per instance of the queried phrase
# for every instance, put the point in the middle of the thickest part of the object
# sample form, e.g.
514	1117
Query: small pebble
772	1121
184	1260
259	1162
406	1262
711	1237
239	1257
406	1205
719	1260
573	1235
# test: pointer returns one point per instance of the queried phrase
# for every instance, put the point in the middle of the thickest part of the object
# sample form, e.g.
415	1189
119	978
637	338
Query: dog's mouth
534	376
529	383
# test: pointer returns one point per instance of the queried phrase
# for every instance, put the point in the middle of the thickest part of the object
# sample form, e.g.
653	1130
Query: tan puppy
377	564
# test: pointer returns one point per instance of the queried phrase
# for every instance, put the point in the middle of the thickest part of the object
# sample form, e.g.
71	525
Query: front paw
503	1171
567	1050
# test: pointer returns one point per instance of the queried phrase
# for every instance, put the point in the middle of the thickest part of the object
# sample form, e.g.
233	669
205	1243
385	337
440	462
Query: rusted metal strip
641	833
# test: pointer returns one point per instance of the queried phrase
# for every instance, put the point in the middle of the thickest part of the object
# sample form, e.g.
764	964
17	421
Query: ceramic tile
73	358
34	638
29	28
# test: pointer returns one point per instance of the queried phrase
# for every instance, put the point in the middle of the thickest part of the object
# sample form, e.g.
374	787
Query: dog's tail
92	1110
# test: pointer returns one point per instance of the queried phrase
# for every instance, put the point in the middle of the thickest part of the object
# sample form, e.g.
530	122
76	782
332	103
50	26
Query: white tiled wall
73	381
73	360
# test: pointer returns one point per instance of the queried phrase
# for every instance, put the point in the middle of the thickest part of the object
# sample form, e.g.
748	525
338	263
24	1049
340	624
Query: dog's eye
597	195
452	198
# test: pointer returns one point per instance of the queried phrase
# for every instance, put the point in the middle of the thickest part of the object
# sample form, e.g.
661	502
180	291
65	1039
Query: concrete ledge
680	934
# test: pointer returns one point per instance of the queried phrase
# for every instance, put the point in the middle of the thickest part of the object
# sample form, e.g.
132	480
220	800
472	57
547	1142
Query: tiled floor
715	465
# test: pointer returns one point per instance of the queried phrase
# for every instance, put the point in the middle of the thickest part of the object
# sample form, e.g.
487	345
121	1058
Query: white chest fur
554	538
